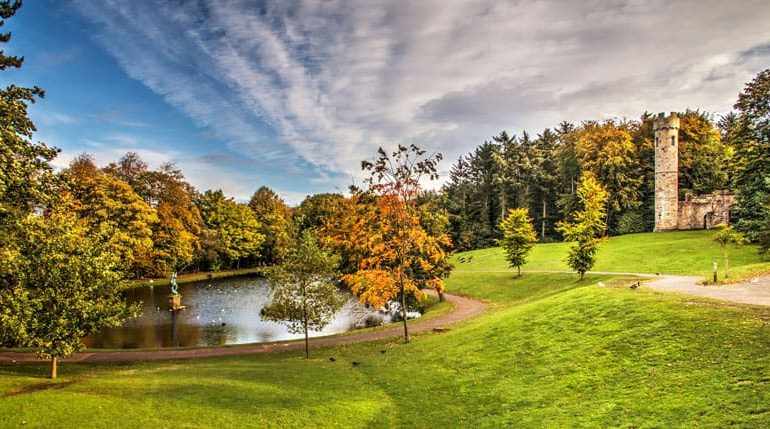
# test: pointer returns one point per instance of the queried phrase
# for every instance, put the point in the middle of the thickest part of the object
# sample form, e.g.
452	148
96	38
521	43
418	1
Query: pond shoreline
196	277
463	308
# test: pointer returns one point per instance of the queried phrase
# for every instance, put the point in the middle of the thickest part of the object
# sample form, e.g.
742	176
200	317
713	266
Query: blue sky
293	95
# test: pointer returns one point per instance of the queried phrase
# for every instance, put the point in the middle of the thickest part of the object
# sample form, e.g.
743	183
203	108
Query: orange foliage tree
401	256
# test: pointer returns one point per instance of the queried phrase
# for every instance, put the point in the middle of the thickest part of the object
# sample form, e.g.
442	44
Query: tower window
673	140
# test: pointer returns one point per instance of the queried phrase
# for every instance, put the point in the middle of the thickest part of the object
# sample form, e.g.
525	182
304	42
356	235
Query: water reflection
218	312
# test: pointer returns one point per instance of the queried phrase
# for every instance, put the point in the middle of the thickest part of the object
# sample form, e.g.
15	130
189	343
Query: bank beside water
198	276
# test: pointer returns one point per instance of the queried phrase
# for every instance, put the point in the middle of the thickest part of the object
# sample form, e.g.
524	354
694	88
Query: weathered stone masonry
695	212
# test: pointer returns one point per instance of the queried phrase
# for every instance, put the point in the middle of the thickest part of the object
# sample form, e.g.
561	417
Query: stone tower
666	171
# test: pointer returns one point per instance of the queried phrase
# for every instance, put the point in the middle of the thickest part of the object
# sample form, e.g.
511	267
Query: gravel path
464	308
756	291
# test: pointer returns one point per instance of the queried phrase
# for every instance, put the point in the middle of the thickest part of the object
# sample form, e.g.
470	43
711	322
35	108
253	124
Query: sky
293	95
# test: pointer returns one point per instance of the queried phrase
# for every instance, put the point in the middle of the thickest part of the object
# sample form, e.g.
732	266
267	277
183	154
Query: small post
715	271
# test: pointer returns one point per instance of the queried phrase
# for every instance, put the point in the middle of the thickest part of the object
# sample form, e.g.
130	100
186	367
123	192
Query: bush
631	223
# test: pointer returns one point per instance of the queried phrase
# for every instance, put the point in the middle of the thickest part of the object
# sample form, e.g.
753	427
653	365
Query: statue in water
174	287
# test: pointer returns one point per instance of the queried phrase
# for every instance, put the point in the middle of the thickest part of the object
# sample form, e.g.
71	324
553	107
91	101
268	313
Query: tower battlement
665	122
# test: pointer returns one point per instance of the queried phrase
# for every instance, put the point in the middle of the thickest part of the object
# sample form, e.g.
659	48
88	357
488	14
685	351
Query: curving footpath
754	292
463	308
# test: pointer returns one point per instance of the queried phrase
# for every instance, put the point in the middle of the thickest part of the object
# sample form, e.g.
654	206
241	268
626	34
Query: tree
518	237
751	138
703	158
305	296
588	225
176	234
65	285
398	245
606	149
727	237
275	217
115	214
232	231
27	181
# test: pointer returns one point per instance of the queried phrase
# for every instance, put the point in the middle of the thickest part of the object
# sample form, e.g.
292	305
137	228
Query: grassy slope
550	353
680	252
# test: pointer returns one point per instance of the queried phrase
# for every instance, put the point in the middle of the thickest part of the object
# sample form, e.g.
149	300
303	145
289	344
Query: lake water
218	312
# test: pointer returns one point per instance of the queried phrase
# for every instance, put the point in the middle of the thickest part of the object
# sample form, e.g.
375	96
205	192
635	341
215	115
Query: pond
218	312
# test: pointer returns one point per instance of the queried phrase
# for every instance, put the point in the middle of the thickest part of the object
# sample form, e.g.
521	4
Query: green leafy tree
232	231
703	158
588	225
305	296
275	217
518	237
728	238
65	285
27	181
750	135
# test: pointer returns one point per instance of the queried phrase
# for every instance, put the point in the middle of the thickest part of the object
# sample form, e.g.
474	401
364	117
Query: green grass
552	353
679	252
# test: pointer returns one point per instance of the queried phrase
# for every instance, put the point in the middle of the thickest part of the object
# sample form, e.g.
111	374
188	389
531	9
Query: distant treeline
158	222
540	173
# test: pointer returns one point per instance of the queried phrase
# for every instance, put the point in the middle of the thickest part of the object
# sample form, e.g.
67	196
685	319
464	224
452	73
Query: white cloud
328	82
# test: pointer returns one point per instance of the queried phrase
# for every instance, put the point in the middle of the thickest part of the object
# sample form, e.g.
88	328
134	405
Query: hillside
679	252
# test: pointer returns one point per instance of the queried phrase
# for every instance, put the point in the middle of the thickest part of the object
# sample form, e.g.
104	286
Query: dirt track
464	308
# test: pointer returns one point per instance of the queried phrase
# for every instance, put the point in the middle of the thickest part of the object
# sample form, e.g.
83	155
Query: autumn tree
518	237
115	214
305	295
64	286
176	234
728	238
346	229
398	245
587	227
606	149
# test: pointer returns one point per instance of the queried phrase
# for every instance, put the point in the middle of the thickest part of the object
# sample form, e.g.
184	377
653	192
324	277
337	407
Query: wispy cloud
325	83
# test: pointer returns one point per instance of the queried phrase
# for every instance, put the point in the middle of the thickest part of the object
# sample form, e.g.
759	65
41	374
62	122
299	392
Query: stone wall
705	211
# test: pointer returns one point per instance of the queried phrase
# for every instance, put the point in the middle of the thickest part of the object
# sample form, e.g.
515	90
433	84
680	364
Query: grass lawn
678	252
552	352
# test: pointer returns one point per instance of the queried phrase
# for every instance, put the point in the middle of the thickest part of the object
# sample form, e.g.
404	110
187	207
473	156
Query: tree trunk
54	363
581	275
542	228
727	266
403	303
304	320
